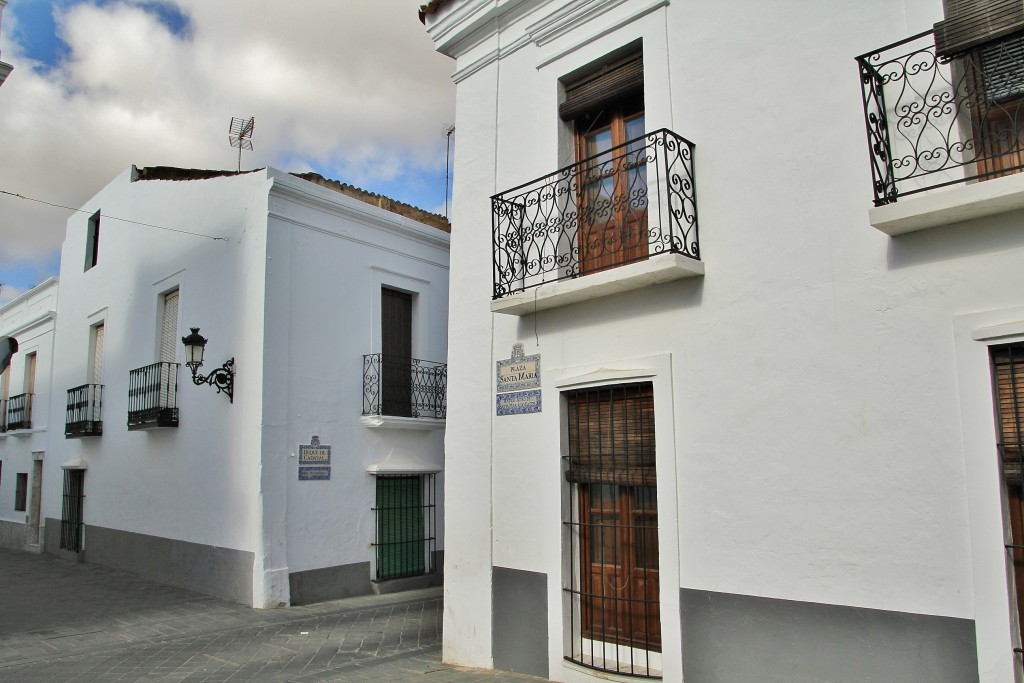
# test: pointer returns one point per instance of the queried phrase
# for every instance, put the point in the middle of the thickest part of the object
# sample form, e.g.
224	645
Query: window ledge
652	271
393	422
951	205
25	432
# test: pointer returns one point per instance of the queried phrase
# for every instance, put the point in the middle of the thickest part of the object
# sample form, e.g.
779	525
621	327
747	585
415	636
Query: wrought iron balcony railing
935	120
153	396
84	411
3	415
19	412
635	200
404	387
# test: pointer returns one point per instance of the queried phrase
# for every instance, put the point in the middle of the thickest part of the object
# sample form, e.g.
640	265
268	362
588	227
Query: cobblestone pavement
79	622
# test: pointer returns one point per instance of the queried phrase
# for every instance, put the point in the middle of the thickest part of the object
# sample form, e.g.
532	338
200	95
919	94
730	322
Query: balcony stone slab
950	205
652	271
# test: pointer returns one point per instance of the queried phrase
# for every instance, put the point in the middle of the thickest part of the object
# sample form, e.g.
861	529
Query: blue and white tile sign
314	461
518	402
517	387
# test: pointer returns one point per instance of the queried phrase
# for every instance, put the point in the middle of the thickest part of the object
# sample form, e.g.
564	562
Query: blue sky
353	91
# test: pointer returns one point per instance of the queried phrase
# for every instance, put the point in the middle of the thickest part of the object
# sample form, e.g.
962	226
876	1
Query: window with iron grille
1008	378
405	535
72	523
20	491
611	530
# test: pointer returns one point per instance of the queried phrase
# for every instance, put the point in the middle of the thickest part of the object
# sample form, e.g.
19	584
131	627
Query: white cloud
335	86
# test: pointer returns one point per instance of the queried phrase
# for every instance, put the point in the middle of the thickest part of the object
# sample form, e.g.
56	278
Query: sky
350	89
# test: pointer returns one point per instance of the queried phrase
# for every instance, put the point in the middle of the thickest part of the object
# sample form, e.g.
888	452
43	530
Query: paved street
79	622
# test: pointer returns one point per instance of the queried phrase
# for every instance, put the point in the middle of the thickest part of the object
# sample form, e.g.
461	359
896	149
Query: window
611	529
607	113
983	41
30	373
97	336
92	241
396	352
72	524
169	342
20	491
1008	377
405	537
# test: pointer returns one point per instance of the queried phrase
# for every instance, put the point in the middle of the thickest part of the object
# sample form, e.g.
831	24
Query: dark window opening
92	241
72	524
20	491
396	352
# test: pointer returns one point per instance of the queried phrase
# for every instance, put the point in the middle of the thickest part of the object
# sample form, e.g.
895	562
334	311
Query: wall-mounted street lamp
223	377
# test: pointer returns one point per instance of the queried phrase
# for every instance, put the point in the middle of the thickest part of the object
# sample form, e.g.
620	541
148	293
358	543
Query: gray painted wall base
412	583
222	572
12	535
728	638
329	583
520	622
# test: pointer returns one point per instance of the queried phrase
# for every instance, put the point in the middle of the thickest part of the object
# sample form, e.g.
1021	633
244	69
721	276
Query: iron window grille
84	411
405	538
404	387
635	200
152	396
19	412
936	119
72	524
1008	378
610	525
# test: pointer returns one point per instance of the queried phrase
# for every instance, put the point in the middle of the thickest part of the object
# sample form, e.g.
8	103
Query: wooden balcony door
396	352
619	543
613	191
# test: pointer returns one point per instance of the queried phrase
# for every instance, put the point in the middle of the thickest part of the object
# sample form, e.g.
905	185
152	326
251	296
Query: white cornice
45	316
312	195
567	18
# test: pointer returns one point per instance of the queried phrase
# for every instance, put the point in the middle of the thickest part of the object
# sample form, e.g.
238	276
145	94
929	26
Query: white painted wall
30	319
287	293
818	425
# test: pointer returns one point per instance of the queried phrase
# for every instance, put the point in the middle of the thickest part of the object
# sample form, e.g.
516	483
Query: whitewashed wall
816	414
30	319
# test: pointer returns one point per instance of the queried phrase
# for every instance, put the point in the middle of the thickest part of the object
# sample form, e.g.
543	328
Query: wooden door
613	193
396	353
619	558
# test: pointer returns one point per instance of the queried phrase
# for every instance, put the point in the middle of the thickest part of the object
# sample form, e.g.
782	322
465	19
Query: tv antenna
240	135
448	130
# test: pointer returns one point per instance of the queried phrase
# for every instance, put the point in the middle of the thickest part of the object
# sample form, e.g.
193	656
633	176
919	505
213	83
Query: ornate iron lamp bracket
223	378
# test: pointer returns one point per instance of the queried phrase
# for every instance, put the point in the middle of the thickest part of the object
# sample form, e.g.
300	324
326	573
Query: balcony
153	396
401	387
84	411
19	412
620	220
943	120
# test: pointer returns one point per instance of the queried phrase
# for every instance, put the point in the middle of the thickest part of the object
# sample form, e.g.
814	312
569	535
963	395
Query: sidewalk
81	622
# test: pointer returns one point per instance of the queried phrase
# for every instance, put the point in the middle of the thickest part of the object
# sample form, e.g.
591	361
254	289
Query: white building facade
307	465
779	444
5	69
25	414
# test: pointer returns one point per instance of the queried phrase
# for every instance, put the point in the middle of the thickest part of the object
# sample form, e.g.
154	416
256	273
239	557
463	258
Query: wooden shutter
169	328
98	335
400	530
1008	375
30	373
611	82
396	352
611	435
970	23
